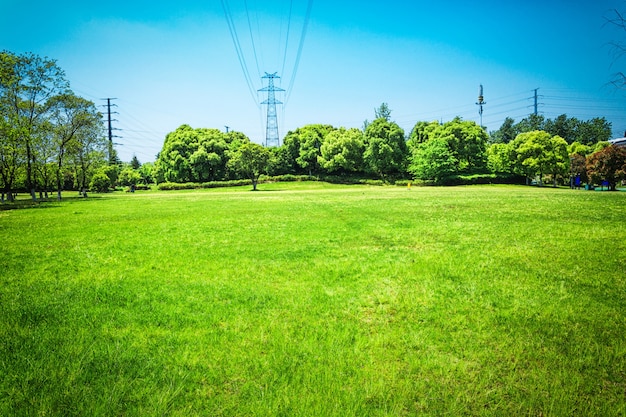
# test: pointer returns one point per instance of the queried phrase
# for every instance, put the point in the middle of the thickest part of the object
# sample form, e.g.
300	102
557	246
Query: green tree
385	148
608	164
500	158
71	117
197	155
383	112
342	151
506	134
540	153
100	182
134	163
28	83
468	142
433	160
310	138
129	177
251	160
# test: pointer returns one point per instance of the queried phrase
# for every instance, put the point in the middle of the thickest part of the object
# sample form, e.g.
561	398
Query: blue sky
170	63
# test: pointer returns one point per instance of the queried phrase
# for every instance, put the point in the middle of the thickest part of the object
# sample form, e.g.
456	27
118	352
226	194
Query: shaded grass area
316	299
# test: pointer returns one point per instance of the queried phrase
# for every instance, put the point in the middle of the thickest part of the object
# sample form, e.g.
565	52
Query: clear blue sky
170	63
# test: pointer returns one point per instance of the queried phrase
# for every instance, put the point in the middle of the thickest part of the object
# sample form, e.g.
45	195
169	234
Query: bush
482	179
100	182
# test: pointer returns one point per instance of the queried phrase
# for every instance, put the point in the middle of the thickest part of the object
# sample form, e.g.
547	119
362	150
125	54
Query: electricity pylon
271	128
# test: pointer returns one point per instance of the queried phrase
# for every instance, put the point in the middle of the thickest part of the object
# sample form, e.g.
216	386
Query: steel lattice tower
271	129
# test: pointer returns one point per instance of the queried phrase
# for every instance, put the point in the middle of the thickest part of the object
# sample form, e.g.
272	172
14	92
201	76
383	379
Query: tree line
535	148
53	140
50	138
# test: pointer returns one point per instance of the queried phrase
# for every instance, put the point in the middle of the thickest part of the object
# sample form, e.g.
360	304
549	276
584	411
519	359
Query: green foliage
342	150
385	148
588	132
433	160
100	182
44	127
250	160
539	153
197	155
128	176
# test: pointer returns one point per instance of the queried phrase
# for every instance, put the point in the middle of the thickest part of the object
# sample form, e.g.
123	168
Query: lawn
310	299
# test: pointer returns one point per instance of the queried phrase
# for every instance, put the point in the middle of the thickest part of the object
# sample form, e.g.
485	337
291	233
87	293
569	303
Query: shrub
100	182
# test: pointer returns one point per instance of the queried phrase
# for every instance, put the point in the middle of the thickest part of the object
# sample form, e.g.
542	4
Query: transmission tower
271	128
110	128
480	103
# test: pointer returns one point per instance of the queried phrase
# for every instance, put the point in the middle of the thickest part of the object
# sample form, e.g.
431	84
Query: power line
305	25
235	38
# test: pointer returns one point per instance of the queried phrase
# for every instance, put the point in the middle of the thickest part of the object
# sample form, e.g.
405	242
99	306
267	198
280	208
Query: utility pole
110	127
271	129
227	128
481	102
536	105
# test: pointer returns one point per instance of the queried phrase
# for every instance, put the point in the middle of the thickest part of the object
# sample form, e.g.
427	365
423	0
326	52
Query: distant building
618	141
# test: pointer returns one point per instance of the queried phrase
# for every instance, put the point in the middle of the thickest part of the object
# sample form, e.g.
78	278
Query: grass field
316	300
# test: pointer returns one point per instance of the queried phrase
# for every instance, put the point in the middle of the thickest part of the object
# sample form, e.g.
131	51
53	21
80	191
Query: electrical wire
240	55
300	47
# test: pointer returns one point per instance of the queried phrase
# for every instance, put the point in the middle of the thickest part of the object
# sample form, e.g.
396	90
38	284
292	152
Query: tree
71	117
342	151
383	112
311	138
507	132
433	160
134	163
385	148
197	155
500	157
129	177
539	153
468	142
28	83
250	160
608	164
100	182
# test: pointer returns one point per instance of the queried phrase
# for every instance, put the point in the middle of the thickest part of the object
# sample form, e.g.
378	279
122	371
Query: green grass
316	300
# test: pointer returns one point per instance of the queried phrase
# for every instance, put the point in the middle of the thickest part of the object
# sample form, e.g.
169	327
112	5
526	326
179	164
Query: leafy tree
100	182
28	83
468	142
385	148
129	177
531	123
342	151
608	164
593	131
579	149
134	163
500	157
146	171
507	132
383	112
197	155
578	167
541	153
71	117
422	131
250	160
311	138
433	160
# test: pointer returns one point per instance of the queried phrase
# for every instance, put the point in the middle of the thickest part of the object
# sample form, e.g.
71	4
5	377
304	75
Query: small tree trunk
254	183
